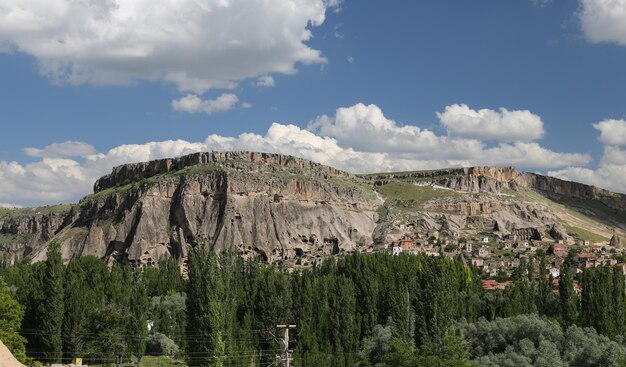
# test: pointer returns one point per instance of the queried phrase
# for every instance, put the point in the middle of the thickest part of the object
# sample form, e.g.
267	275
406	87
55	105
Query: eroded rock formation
280	208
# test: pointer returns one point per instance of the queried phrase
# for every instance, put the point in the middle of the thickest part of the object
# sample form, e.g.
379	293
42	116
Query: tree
11	314
137	326
52	307
567	296
205	316
84	285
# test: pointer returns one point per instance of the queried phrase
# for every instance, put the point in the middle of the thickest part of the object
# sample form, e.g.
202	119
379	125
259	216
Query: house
493	285
554	272
477	262
587	261
396	250
557	249
483	252
406	243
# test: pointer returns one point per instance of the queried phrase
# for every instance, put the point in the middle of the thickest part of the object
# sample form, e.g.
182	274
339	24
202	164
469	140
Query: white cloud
364	128
66	149
610	174
193	104
196	45
486	124
612	132
265	81
357	139
603	20
350	60
246	105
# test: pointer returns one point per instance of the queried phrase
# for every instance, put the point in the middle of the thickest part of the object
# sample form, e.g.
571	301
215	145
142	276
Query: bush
160	344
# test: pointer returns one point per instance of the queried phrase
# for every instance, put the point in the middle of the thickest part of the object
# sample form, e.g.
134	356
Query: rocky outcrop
129	173
615	241
465	206
45	226
498	179
558	232
284	209
267	206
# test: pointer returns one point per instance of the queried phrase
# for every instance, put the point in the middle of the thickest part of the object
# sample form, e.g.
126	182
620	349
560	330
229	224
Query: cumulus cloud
611	171
265	81
193	104
612	132
195	45
365	128
610	174
603	20
66	149
358	139
486	124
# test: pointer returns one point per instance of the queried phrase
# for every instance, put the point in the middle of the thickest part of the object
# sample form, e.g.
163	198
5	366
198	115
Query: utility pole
286	351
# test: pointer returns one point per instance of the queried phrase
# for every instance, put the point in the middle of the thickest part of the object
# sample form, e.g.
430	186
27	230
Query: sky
361	85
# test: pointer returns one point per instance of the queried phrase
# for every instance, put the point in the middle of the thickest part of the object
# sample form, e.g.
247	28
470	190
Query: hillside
285	209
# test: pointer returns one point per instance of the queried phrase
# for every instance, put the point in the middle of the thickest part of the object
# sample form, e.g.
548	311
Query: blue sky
536	84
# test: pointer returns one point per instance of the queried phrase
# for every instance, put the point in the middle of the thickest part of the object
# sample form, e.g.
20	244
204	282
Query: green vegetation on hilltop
409	196
201	169
8	213
583	234
192	170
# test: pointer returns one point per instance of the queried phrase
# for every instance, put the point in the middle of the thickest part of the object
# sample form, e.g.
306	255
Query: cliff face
129	173
275	207
284	209
497	179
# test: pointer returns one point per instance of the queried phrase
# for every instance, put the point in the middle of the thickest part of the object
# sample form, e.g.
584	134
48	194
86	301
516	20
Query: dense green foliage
355	310
52	306
529	340
11	314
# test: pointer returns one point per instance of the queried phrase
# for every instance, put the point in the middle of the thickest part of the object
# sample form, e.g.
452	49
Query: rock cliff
285	209
270	206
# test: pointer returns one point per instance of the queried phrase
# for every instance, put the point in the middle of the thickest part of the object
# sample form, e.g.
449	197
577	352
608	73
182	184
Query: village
496	257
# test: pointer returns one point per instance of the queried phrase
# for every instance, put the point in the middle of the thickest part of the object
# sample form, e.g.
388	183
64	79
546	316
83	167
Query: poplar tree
205	315
52	307
567	296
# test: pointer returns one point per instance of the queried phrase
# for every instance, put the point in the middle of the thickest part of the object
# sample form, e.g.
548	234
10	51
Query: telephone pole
286	351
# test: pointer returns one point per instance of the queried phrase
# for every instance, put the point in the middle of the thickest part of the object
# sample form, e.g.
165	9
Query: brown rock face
282	208
134	172
44	225
271	206
615	241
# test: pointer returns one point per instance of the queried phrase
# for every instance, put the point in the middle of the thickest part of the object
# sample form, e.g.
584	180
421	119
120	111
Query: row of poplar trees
233	306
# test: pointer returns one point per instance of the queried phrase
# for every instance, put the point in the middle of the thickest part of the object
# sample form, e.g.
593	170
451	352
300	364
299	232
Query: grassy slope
406	196
592	225
6	213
